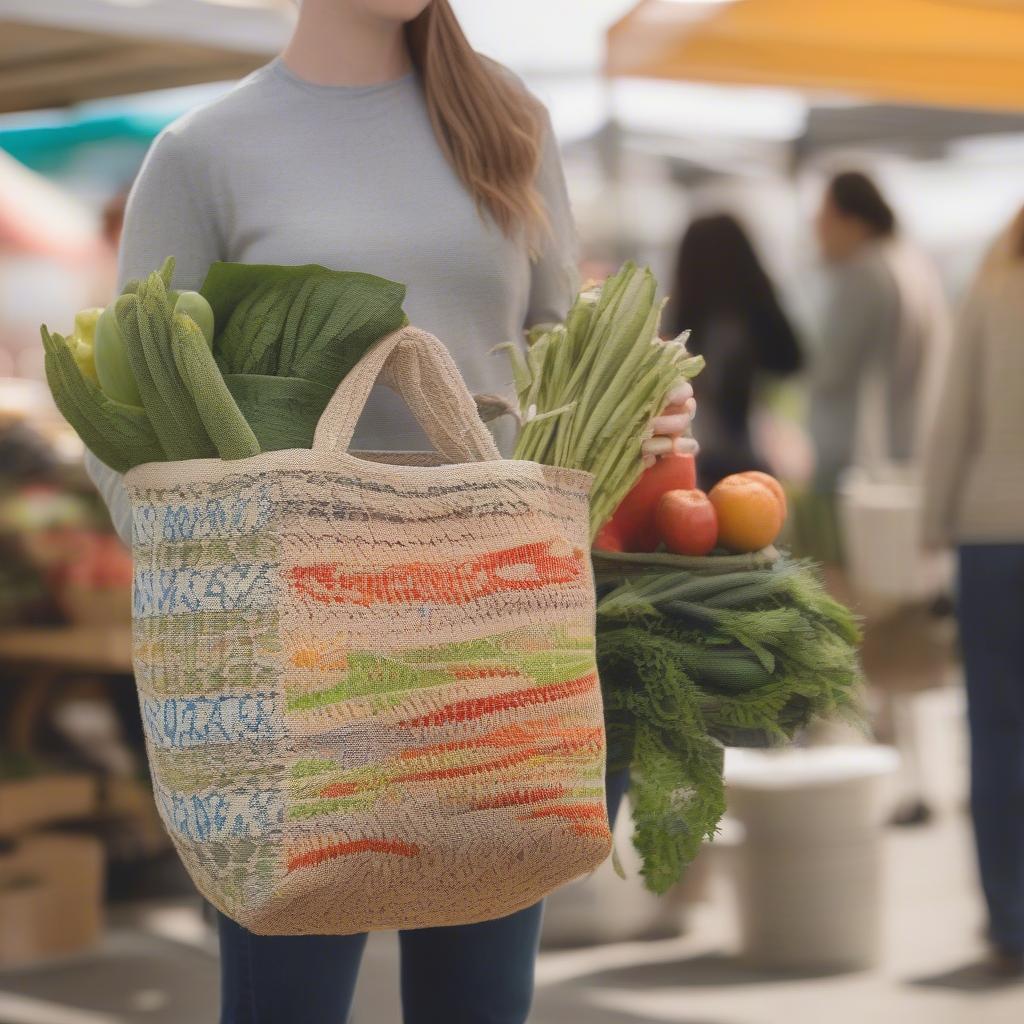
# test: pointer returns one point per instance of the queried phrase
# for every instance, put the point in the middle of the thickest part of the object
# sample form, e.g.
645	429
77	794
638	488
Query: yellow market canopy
958	53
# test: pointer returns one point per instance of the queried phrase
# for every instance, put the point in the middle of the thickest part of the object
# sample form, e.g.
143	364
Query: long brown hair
488	125
1017	235
1007	250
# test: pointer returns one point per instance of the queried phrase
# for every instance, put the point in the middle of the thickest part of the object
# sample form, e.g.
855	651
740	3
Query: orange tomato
773	485
686	522
749	514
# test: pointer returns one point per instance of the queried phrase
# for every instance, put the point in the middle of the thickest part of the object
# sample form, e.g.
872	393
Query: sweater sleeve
950	439
554	278
857	312
167	215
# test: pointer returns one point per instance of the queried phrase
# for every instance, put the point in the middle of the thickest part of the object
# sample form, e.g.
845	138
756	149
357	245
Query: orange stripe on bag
507	736
570	811
314	857
582	828
480	768
477	707
340	789
521	796
527	567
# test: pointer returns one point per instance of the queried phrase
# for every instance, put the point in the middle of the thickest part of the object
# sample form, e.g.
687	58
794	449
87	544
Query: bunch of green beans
589	388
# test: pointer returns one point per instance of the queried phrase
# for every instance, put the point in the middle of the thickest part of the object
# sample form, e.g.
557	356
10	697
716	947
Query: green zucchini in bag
119	435
224	422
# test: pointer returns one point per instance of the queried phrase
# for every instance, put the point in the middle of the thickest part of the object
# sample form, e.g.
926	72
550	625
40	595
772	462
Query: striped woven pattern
369	690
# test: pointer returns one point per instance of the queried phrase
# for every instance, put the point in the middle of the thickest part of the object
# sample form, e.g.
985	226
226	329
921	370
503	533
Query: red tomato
607	539
633	522
687	522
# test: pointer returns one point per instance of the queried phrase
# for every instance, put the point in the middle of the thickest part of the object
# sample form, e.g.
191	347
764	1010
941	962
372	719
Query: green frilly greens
695	659
286	336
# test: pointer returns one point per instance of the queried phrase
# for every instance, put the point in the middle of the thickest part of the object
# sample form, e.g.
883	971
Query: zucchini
119	435
194	305
145	322
113	370
222	419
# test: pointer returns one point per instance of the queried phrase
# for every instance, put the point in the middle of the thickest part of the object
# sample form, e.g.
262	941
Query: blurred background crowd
830	194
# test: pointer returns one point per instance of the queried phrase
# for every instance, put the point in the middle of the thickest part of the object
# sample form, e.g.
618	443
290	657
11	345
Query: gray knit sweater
280	170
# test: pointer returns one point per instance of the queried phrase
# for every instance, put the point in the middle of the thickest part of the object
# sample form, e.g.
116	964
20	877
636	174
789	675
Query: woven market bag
369	688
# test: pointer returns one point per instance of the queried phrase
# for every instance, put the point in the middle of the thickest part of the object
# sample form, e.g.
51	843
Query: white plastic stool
810	870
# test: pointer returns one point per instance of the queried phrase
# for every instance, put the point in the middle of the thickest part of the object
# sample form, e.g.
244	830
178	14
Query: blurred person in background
723	295
886	326
874	377
974	499
379	141
103	279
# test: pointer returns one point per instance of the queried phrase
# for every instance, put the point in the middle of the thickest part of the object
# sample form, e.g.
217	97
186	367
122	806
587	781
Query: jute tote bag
369	689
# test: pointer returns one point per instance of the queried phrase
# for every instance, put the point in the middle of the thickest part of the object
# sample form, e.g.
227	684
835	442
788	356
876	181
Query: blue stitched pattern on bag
217	814
236	515
193	721
224	588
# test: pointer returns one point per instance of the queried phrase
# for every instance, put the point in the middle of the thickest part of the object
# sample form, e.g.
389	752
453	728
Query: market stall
908	51
65	51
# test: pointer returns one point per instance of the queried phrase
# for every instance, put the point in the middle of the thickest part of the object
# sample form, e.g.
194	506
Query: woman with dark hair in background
886	323
974	499
723	294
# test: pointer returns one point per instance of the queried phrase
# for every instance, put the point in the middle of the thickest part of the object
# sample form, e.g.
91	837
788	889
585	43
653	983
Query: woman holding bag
378	141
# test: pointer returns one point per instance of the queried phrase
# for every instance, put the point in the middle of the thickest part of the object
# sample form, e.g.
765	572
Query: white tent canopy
63	51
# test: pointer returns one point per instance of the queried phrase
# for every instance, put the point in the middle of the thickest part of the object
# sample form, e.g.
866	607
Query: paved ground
163	971
927	977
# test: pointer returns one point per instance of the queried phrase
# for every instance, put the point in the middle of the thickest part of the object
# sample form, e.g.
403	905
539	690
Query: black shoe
909	815
1005	964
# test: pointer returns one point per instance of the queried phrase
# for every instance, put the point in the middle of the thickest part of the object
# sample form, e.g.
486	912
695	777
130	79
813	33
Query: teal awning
47	146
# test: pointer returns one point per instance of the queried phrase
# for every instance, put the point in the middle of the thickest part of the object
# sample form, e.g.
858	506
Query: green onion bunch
589	388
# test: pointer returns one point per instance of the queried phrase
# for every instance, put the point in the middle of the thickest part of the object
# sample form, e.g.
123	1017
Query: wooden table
104	649
42	655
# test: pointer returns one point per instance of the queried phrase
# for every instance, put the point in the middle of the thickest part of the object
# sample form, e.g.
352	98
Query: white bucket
809	874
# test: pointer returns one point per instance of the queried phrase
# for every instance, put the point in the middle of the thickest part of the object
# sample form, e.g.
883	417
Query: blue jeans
469	974
991	614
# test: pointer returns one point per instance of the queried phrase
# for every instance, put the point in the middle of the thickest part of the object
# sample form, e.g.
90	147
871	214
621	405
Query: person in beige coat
974	500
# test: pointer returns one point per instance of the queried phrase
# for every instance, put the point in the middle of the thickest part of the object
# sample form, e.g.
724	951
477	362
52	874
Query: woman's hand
668	428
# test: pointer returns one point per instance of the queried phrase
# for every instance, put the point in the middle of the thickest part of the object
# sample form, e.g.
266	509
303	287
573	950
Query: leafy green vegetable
283	411
692	657
306	321
282	339
144	322
286	336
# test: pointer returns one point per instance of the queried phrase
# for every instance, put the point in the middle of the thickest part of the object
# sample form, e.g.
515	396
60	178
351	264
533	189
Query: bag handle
423	372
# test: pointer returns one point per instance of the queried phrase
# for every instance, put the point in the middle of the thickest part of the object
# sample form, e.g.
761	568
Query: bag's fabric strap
421	370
